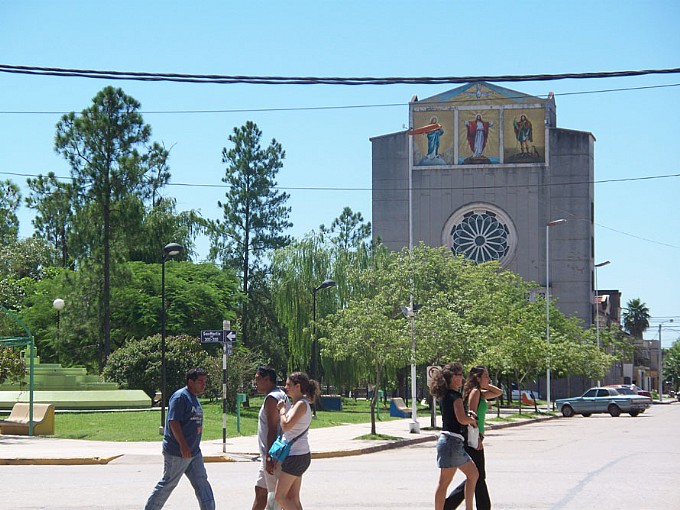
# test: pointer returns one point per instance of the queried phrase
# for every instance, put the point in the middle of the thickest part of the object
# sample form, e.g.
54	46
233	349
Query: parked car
629	389
603	400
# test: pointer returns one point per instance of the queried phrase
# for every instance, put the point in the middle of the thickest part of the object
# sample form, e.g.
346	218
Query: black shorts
296	465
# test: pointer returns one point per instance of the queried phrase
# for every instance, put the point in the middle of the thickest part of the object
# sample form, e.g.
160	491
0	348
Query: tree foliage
671	365
10	198
255	213
636	318
347	231
137	365
114	169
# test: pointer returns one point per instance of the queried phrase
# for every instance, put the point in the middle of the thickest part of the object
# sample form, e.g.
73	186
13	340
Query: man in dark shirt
181	445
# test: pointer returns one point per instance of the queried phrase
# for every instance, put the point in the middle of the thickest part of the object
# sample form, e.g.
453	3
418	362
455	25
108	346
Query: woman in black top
451	455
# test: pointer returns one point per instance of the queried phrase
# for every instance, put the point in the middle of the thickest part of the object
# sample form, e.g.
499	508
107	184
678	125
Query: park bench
17	421
398	408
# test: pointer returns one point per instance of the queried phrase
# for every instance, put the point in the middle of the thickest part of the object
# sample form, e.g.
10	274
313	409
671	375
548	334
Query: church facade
486	171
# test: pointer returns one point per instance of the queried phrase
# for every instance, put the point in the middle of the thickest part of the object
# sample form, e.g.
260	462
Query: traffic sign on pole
210	336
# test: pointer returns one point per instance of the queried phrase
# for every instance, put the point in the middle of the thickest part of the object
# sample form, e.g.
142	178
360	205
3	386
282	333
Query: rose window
480	237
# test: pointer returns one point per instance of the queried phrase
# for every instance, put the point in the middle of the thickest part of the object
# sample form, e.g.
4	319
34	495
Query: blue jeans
173	469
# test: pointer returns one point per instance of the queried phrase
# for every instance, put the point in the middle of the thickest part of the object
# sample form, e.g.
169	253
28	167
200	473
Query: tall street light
547	298
597	308
661	362
315	366
170	250
410	313
58	305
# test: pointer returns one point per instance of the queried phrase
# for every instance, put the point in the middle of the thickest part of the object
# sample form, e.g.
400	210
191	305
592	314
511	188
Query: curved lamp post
58	305
597	307
315	354
547	299
170	250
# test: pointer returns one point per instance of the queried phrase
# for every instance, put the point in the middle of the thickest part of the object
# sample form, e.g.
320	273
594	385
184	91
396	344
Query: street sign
219	336
210	336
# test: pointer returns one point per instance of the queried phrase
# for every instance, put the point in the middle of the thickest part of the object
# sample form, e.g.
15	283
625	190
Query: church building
486	171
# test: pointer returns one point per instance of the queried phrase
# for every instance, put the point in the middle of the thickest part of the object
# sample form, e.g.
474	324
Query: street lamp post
661	362
58	305
170	250
597	308
410	313
315	365
547	299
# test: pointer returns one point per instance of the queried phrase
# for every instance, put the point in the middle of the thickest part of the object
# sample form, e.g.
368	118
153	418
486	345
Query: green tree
12	367
10	198
636	318
53	203
255	214
137	365
162	224
113	170
21	263
198	296
347	231
671	365
367	333
299	268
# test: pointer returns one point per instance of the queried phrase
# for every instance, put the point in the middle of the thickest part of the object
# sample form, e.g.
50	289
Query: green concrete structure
70	388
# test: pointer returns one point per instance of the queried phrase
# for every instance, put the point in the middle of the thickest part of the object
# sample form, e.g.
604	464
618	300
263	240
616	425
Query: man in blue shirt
181	445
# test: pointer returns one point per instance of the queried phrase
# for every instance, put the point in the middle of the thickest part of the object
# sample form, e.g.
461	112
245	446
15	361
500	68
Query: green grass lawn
144	425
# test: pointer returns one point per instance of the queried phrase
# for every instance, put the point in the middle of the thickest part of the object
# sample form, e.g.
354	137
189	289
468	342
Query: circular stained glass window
481	233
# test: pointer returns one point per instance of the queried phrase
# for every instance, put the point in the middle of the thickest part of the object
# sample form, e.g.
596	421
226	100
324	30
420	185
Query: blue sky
637	221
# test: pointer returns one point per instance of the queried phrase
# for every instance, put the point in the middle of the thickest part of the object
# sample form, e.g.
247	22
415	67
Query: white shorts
264	479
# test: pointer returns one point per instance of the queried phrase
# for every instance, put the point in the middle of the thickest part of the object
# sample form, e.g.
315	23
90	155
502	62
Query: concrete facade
520	199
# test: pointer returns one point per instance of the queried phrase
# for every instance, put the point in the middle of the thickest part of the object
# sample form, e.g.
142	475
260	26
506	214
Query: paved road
597	462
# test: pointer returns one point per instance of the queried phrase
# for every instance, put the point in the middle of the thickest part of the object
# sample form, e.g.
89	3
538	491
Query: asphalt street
574	463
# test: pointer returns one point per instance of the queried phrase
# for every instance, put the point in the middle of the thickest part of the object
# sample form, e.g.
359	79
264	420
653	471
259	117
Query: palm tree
636	318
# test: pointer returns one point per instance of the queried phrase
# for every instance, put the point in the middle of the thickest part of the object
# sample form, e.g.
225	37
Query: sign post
226	337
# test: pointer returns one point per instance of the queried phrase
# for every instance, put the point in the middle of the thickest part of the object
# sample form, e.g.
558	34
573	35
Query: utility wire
310	80
422	188
338	107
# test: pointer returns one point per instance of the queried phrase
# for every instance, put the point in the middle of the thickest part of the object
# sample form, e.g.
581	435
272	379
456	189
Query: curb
372	449
246	457
72	461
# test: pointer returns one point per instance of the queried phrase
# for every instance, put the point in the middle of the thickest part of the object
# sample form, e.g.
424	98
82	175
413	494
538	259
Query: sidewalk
325	442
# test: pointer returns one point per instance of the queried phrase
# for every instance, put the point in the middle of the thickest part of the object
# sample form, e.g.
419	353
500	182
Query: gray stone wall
529	196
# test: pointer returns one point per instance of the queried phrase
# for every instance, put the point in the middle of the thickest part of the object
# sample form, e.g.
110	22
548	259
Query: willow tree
296	270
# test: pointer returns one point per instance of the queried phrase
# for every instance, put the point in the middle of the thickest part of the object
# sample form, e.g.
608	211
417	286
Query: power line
422	188
310	80
333	107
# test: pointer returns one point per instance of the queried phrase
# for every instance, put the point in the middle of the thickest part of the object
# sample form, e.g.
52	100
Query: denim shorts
451	452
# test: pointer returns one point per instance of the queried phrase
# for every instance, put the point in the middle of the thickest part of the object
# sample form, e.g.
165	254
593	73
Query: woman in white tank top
295	425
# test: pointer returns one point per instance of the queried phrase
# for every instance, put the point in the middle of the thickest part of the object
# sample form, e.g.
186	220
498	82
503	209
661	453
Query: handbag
281	448
472	437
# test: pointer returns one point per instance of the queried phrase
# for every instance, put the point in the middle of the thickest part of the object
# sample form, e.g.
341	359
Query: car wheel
614	410
634	413
567	411
586	414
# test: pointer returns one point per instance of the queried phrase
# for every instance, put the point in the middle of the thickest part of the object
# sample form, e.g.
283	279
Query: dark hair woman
445	387
478	389
295	425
